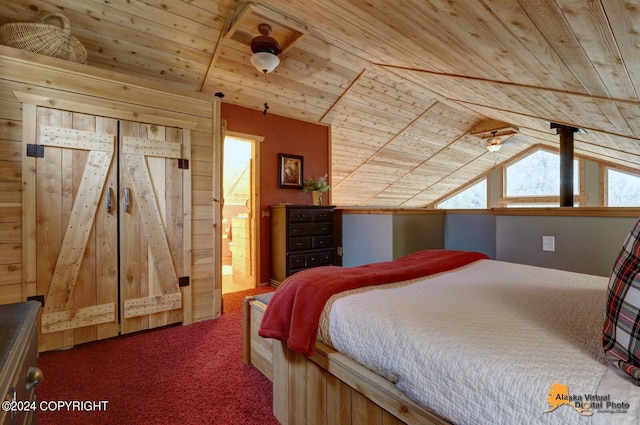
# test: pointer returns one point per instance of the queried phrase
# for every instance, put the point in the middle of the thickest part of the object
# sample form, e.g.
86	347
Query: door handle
127	204
109	200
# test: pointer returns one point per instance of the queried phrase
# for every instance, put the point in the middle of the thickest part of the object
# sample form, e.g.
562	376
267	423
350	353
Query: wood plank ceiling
401	82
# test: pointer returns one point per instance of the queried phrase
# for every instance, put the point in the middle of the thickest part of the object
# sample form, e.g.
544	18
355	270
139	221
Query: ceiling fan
496	133
495	143
265	50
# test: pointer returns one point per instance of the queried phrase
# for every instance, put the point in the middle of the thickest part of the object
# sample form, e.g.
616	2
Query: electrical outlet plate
548	243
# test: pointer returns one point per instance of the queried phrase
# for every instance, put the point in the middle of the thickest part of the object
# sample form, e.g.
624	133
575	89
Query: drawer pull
34	377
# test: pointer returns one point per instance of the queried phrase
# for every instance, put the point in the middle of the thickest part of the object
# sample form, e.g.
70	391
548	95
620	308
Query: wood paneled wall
27	78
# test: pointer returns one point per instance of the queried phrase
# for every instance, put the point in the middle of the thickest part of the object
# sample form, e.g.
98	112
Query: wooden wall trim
47	83
388	211
551	212
219	128
108	108
187	302
71	69
28	203
556	212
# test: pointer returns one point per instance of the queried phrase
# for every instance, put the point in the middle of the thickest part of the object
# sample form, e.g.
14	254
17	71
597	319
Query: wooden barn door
76	226
153	208
112	225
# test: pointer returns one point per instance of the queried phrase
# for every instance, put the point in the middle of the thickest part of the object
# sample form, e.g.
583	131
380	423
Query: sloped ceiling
401	82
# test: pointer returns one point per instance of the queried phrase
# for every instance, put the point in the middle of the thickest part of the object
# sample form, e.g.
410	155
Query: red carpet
183	375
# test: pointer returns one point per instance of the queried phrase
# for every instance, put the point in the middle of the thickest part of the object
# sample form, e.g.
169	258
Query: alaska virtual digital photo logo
584	404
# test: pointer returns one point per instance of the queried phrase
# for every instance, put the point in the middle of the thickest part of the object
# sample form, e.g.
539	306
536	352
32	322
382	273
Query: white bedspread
485	343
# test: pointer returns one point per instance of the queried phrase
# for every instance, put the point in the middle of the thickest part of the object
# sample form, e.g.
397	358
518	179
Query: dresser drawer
18	358
319	242
300	244
326	257
19	390
302	229
297	261
297	215
325	228
313	260
322	214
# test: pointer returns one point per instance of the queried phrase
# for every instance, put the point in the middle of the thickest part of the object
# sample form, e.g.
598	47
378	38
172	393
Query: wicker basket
43	38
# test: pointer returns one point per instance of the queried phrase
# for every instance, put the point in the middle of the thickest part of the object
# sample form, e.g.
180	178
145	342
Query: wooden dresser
18	357
301	238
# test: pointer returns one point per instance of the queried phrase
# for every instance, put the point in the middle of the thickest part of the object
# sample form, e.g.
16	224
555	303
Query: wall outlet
548	243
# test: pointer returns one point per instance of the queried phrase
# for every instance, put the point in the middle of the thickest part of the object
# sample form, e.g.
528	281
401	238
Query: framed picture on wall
290	171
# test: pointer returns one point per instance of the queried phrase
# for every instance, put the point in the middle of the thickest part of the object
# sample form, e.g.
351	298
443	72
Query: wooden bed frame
326	388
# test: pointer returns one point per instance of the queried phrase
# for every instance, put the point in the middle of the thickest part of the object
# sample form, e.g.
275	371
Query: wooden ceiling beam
342	95
218	49
398	134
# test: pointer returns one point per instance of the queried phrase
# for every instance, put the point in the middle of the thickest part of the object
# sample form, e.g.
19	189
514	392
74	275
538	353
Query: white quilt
485	343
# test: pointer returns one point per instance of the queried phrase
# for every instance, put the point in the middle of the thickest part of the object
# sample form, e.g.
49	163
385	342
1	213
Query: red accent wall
281	135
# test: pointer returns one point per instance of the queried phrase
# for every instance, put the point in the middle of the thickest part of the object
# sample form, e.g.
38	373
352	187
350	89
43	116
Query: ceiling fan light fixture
495	143
494	148
264	62
265	50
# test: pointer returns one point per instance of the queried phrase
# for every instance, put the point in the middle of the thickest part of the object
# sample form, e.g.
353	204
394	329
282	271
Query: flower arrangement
320	185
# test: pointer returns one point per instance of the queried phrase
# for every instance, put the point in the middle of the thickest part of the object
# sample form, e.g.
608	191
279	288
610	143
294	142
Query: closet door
76	227
153	186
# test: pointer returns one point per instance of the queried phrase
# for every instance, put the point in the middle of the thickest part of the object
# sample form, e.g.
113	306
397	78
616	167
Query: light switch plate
548	243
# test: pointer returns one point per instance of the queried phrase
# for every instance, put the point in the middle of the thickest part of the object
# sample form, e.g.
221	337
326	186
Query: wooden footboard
330	388
256	350
327	388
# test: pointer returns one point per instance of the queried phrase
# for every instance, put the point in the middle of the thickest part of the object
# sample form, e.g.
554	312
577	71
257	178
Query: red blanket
293	312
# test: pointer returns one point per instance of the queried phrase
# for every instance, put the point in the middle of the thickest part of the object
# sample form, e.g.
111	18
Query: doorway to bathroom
240	245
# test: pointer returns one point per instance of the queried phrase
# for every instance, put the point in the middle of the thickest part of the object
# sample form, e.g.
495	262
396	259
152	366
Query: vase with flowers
316	187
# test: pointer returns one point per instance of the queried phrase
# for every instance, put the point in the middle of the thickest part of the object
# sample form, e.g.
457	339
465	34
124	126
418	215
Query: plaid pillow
622	325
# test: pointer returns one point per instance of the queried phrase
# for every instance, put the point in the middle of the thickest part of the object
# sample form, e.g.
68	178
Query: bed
482	342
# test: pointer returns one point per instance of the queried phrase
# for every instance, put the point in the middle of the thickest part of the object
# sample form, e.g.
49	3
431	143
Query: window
537	174
623	189
472	197
534	181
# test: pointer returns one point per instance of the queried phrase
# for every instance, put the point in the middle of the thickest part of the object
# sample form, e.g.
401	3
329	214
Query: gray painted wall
413	233
471	232
582	244
366	238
